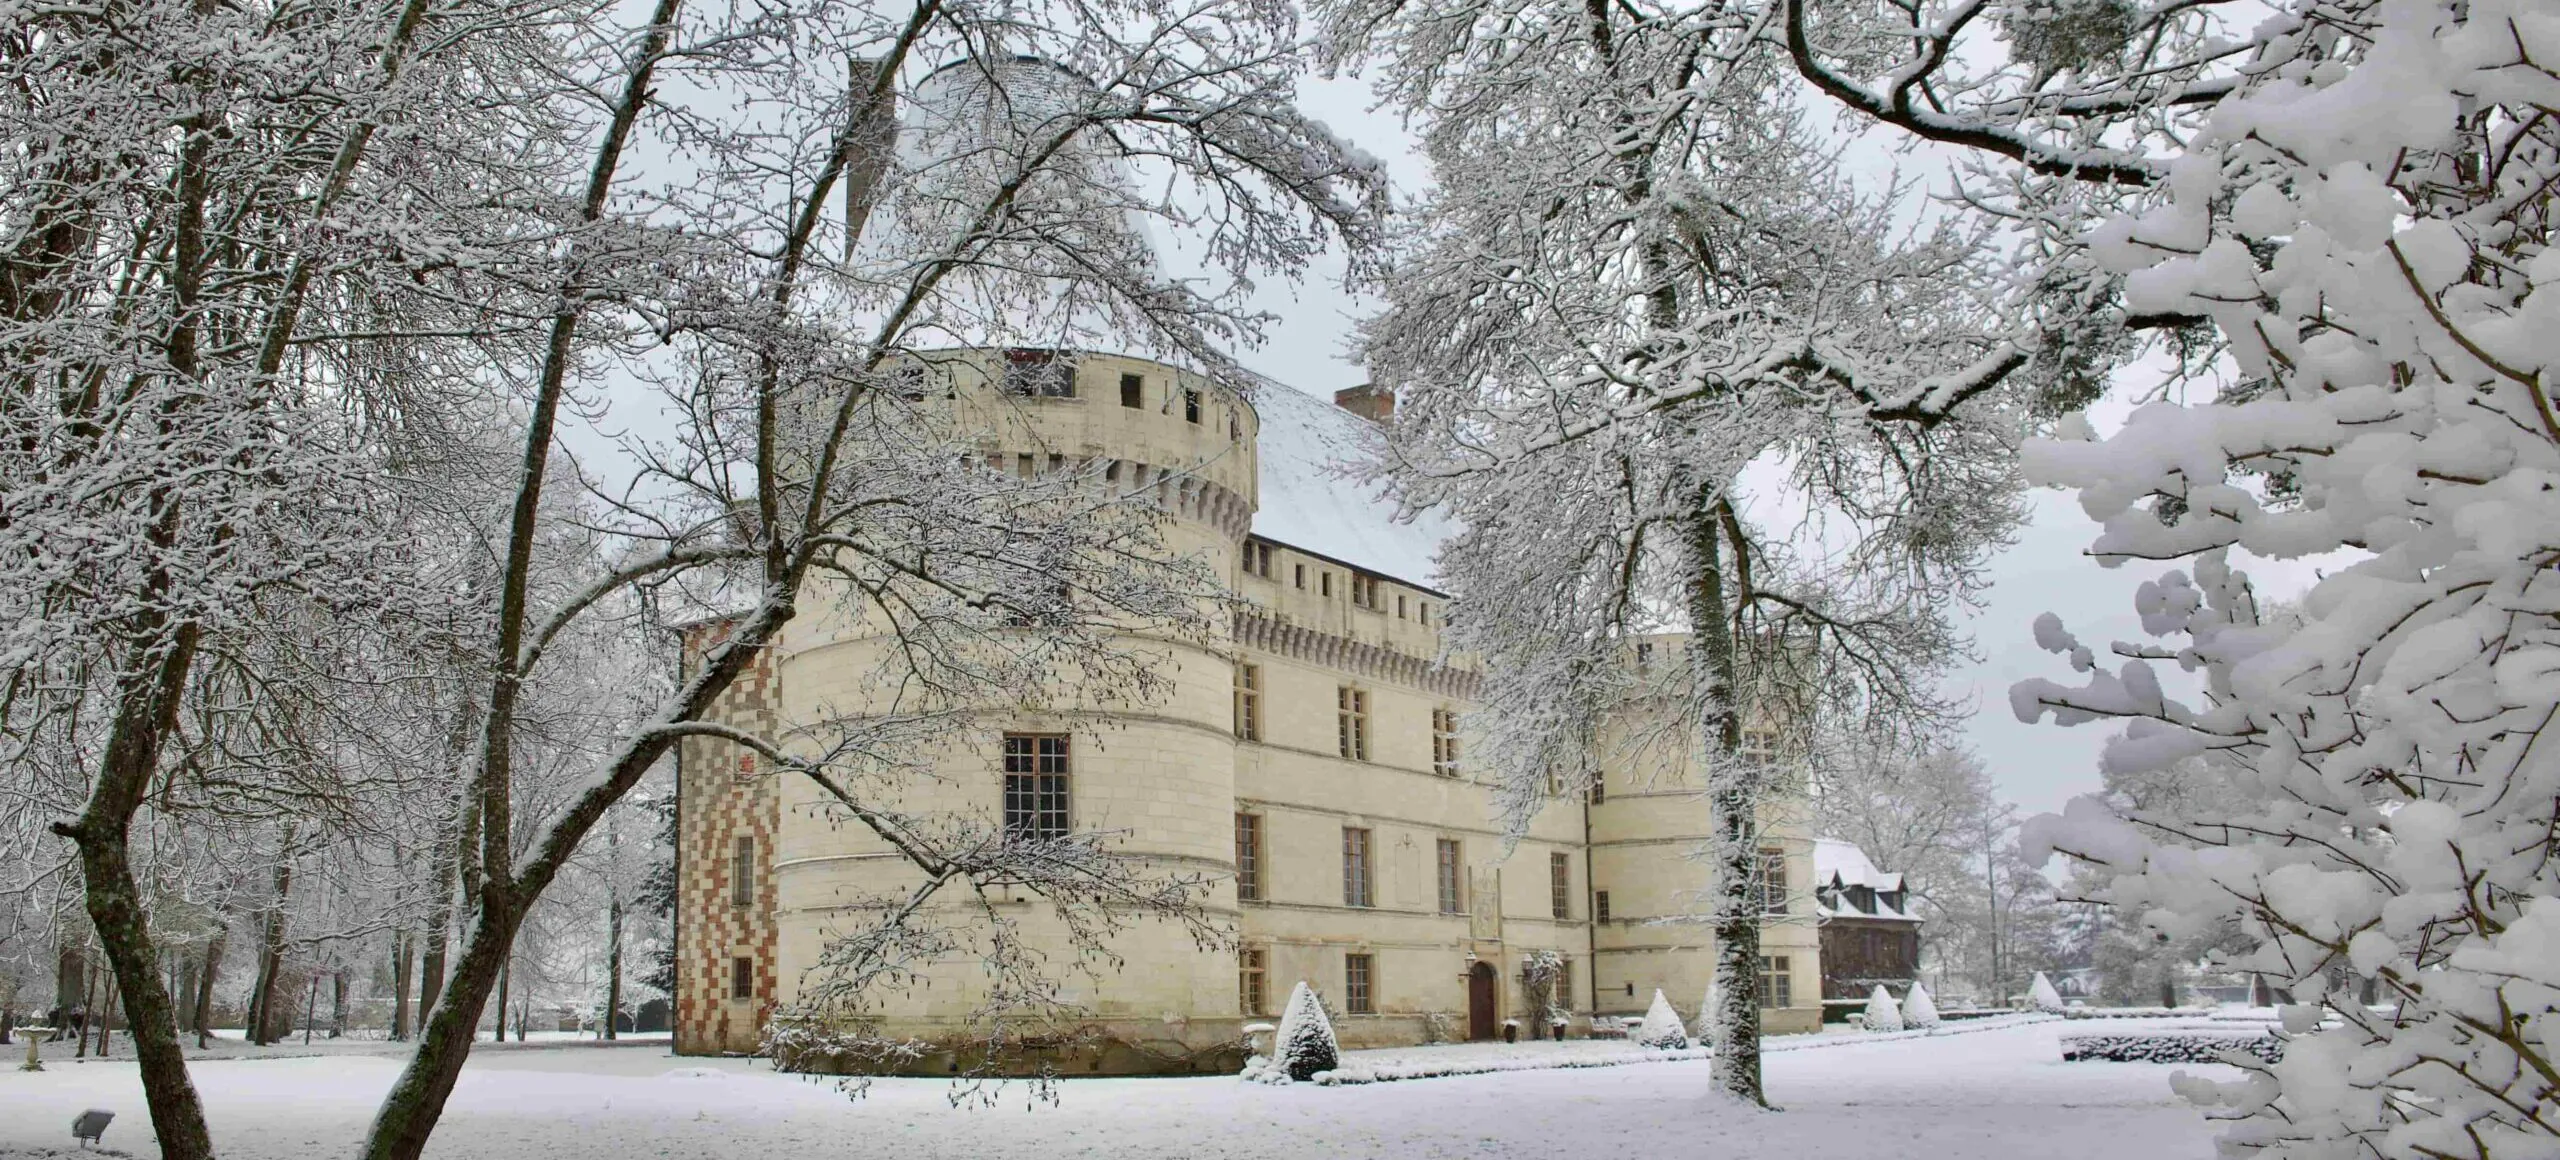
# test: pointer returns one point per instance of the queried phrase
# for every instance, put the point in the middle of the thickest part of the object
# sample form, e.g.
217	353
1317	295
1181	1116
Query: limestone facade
1311	761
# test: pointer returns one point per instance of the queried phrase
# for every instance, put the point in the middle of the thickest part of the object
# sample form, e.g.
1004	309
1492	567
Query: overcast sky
2038	767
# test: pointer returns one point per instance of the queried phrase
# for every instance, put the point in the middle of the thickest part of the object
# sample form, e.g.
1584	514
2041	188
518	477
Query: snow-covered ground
1998	1095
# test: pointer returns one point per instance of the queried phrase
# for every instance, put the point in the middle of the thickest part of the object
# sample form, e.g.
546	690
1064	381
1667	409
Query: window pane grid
1249	702
1355	867
1351	712
1560	884
1777	984
1249	857
1035	786
1252	992
1357	997
1773	881
1452	898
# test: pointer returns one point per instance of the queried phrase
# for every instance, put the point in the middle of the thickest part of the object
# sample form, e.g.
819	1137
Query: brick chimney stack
1370	401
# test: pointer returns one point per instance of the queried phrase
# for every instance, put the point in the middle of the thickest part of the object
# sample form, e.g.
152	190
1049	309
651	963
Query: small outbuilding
1870	937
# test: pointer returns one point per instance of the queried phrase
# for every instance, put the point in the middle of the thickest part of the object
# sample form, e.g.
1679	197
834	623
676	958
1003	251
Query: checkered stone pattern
725	792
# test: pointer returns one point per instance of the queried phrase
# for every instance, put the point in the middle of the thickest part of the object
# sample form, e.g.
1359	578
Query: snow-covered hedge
2145	1013
2169	1047
1919	1011
1545	1057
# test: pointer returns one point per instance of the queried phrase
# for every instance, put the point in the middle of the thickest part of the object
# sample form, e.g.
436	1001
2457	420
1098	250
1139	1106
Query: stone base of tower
1115	1048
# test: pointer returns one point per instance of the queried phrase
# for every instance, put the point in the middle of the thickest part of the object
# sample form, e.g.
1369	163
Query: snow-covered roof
1840	866
1310	502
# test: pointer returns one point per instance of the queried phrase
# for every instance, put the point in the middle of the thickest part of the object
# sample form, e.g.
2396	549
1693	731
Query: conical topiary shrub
1662	1026
2042	994
1304	1043
1706	1030
1919	1011
1883	1014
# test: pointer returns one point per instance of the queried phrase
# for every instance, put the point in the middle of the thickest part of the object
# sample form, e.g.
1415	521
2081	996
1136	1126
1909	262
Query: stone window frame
1253	974
1038	786
1777	982
1452	865
1249	847
1351	721
1359	867
1248	701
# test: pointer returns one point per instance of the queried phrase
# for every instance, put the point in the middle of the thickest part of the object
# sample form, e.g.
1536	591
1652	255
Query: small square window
1600	905
742	978
1190	405
1777	985
1298	575
1133	391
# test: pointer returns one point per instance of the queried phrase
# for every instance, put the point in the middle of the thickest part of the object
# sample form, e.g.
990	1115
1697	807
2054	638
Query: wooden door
1480	1002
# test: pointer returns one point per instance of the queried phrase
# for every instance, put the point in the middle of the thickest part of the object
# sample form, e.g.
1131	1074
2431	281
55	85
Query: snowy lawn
1998	1095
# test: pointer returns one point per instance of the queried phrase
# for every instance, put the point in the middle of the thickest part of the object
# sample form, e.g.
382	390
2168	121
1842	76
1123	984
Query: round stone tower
1160	773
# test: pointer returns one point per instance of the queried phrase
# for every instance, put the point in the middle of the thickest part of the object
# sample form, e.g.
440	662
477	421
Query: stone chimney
1370	401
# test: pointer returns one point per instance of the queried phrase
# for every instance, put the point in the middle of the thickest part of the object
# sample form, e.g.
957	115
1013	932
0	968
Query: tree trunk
204	986
88	1012
612	967
107	1017
311	1009
271	956
182	991
506	972
338	1003
402	943
1733	801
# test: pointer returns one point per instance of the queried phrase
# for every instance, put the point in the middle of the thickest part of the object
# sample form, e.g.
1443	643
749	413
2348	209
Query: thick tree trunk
612	968
337	1003
506	973
1733	805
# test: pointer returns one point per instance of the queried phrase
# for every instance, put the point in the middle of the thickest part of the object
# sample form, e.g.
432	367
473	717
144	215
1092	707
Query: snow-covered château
1870	936
1311	759
1307	757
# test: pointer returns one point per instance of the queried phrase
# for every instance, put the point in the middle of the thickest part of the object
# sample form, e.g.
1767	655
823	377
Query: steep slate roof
1839	865
1310	502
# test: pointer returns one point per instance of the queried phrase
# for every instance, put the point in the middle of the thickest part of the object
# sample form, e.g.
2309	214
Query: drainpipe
1590	911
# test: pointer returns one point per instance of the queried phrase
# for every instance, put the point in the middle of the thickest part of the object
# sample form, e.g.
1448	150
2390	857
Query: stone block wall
725	792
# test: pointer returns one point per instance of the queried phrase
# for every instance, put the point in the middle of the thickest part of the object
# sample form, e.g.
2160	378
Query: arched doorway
1480	996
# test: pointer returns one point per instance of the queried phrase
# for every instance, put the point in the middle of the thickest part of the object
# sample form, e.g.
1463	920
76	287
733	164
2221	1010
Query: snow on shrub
2153	1013
1662	1026
2042	994
2170	1047
1883	1014
1919	1011
1304	1044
